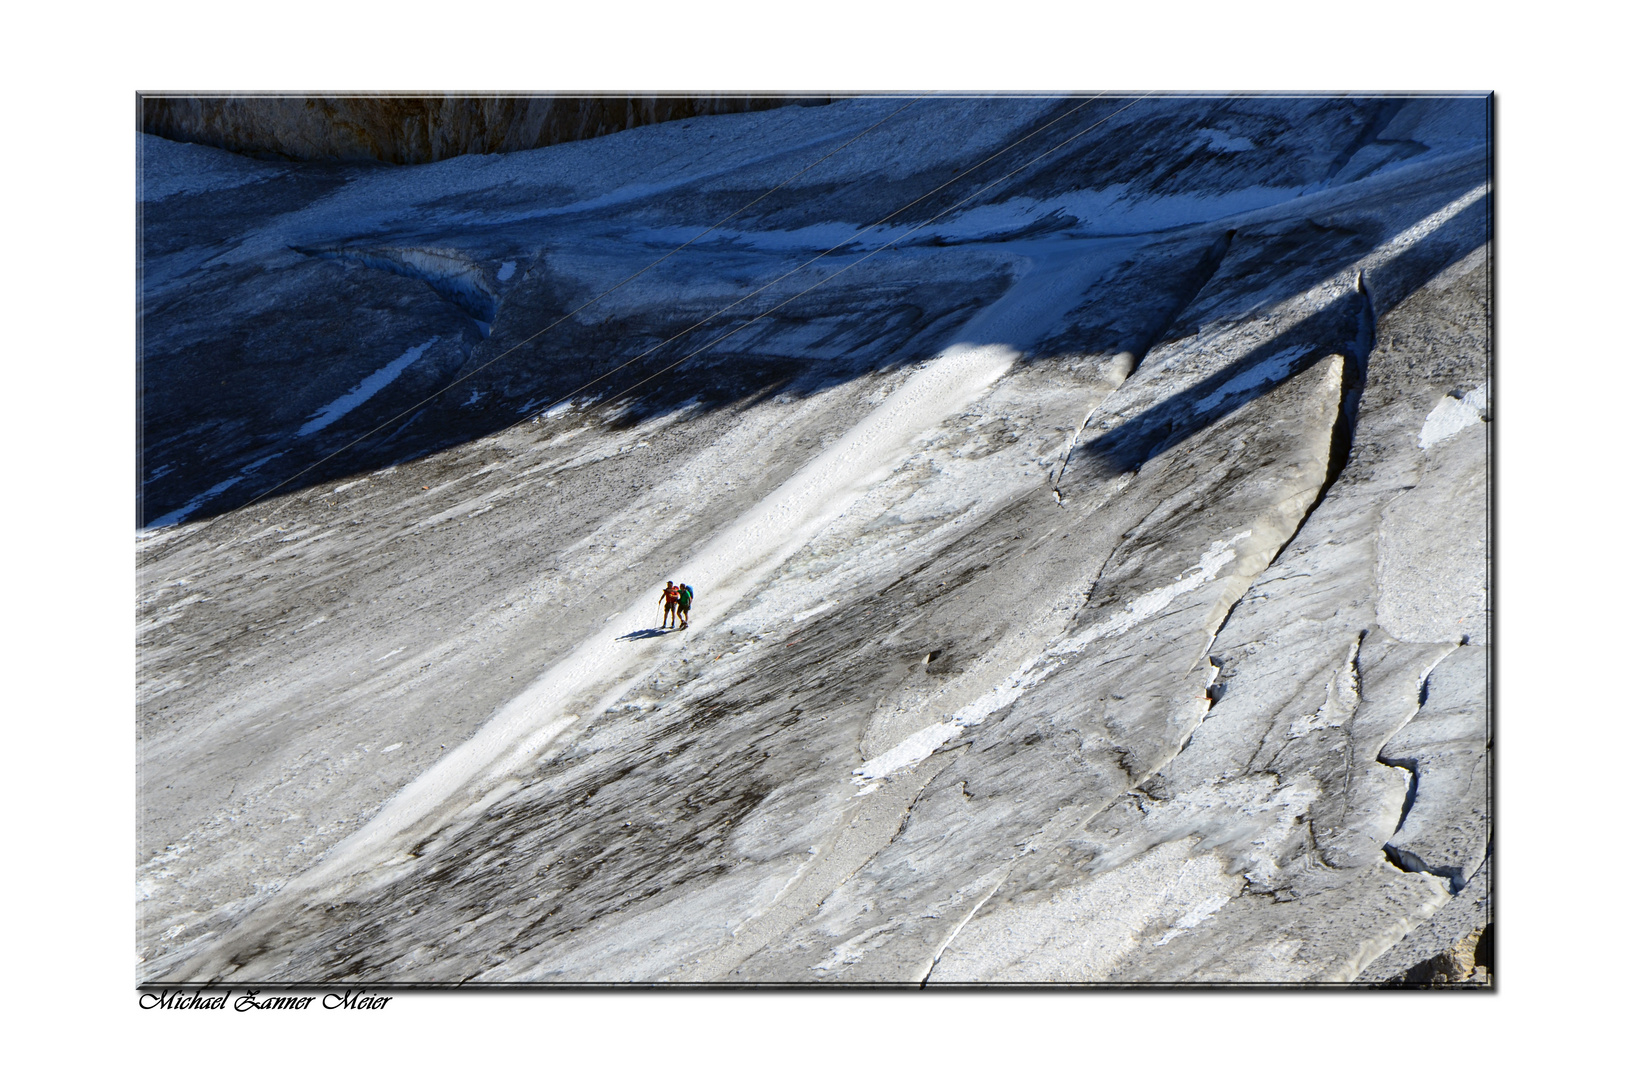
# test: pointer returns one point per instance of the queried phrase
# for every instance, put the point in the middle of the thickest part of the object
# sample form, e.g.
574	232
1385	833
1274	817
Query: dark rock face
417	130
1468	962
1091	557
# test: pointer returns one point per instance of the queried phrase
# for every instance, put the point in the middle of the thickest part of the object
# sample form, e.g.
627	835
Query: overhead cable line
875	251
815	259
740	300
586	304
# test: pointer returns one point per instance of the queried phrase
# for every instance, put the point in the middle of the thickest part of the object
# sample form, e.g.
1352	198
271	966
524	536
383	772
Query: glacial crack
1127	361
452	276
1400	850
1411	863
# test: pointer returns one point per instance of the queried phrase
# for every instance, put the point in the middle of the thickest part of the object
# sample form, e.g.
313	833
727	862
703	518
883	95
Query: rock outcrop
416	129
1468	962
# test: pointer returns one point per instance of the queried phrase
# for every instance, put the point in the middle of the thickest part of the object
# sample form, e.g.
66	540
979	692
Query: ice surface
1033	671
170	169
722	572
930	721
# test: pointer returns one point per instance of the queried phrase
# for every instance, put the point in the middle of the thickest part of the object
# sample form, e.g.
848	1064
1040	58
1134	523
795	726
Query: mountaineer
670	605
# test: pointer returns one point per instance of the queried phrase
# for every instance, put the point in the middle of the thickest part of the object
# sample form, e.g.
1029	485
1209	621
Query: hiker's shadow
640	635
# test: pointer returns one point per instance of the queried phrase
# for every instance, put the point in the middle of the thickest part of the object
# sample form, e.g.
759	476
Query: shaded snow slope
1087	584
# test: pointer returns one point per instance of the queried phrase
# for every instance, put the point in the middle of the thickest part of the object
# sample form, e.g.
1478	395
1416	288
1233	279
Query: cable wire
740	300
581	307
810	261
869	254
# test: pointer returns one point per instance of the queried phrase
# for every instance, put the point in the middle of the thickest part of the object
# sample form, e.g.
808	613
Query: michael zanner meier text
178	999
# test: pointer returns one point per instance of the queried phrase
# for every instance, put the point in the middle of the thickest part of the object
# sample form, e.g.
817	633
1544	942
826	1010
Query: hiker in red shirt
670	605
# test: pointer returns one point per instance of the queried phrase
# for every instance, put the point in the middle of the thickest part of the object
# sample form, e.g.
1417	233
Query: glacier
1086	498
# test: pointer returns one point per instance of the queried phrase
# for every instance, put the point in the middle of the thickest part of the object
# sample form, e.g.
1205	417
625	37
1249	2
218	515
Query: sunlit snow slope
1086	501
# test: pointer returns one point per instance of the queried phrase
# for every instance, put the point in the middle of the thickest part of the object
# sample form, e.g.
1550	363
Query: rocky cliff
1086	501
413	129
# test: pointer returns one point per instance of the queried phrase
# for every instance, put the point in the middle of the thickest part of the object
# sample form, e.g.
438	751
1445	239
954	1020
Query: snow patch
365	389
1225	143
1425	227
506	271
1113	209
1217	556
810	613
1271	370
914	748
1453	414
175	517
1198	914
560	408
